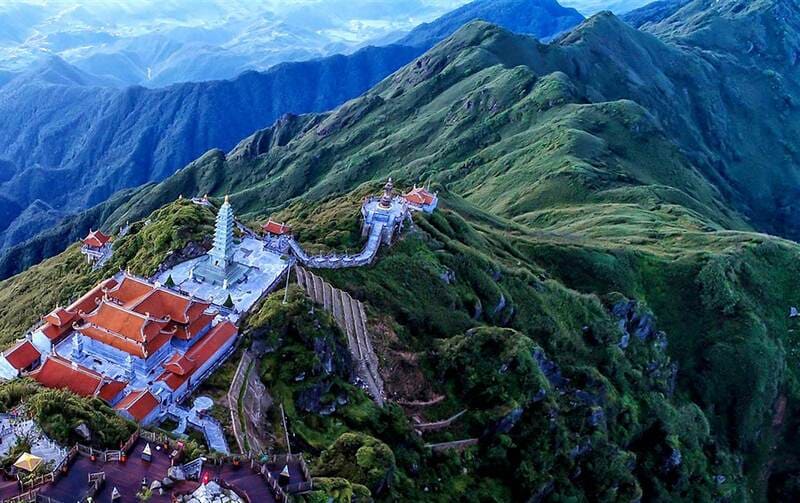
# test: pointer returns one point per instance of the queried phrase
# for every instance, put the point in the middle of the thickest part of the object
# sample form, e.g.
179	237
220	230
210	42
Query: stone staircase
352	319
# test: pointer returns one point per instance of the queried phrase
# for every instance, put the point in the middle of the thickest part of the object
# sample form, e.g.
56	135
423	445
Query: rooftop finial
226	198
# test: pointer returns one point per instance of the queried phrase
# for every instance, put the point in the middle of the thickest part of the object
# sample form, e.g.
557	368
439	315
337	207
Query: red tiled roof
58	323
111	389
201	352
96	239
60	317
130	290
419	196
133	316
276	228
22	355
125	344
55	333
138	404
179	364
57	372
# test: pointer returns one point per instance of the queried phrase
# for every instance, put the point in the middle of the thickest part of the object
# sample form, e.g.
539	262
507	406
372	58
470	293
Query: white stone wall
7	372
41	342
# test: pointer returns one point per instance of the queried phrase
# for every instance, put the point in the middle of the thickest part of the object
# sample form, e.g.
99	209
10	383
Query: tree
228	302
170	282
359	458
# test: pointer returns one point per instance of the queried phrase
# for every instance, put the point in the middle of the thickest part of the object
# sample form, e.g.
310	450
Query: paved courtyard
13	428
263	268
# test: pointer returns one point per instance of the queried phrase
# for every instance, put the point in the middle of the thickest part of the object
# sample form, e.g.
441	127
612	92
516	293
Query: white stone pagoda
219	267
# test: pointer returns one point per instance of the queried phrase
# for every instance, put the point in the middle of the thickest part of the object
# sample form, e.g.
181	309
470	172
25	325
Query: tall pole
286	431
288	274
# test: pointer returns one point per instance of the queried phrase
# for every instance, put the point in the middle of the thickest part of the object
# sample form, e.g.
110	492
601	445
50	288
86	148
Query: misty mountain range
61	123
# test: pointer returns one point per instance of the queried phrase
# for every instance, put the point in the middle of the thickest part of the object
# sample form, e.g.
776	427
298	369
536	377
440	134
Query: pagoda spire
222	252
388	194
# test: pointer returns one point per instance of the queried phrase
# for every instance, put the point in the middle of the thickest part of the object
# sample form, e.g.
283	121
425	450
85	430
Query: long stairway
350	316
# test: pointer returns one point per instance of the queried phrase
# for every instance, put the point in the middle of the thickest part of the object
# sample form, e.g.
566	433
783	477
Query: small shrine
384	214
96	246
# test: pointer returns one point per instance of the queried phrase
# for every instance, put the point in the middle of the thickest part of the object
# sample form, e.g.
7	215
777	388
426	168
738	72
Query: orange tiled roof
60	321
96	239
273	227
130	290
143	297
119	320
133	316
124	344
60	317
419	196
59	373
138	404
55	333
110	389
200	353
22	355
179	364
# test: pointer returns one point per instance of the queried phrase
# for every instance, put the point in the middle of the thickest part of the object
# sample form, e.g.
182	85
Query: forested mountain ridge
57	124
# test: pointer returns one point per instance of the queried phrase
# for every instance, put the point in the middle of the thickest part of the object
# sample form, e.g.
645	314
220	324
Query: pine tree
170	282
228	302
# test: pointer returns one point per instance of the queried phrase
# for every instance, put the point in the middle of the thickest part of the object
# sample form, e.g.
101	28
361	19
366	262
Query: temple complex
235	274
420	199
137	345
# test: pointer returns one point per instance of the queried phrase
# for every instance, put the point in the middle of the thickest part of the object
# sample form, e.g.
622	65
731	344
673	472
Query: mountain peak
539	18
52	69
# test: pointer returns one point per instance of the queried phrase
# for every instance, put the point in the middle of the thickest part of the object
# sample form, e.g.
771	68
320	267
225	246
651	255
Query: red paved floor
127	478
8	489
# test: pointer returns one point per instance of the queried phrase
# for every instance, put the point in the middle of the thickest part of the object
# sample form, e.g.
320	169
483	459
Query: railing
41	498
96	481
30	496
233	400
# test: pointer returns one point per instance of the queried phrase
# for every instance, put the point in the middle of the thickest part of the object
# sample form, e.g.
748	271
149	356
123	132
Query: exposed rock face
188	252
634	321
549	369
84	432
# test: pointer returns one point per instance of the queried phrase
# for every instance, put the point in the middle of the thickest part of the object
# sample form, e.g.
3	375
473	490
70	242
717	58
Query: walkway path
212	430
438	425
454	445
335	261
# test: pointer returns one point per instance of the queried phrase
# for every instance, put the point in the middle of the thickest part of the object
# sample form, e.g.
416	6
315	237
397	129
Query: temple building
129	335
385	213
420	199
22	356
96	246
275	229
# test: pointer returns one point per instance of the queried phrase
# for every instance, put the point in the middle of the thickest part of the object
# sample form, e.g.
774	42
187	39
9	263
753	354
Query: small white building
420	199
21	357
96	246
